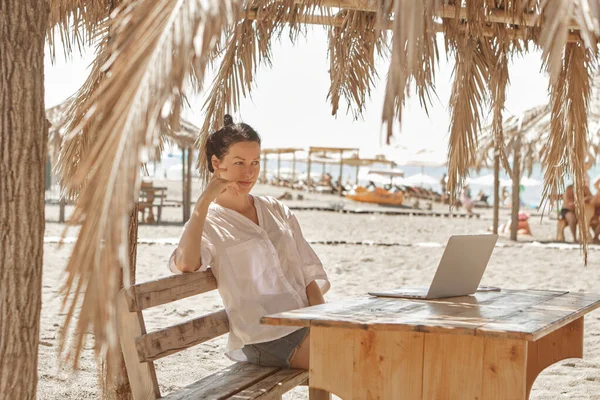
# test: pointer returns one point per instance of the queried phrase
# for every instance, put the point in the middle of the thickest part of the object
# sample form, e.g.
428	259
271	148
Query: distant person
481	196
465	199
444	187
505	196
522	227
567	211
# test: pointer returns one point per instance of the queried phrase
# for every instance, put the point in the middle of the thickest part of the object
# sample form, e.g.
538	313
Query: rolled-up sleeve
312	268
207	251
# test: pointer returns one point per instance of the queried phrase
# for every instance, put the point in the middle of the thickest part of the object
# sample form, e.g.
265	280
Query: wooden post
496	190
293	167
278	169
357	168
341	171
183	186
189	183
308	180
516	202
115	381
61	209
264	168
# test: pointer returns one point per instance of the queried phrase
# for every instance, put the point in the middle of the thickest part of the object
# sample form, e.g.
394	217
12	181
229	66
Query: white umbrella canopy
525	181
381	176
484	180
423	158
421	180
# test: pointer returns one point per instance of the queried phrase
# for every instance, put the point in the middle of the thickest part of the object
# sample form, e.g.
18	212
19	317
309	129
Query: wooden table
491	345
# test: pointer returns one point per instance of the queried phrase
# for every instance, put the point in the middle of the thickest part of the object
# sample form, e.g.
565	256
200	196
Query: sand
404	251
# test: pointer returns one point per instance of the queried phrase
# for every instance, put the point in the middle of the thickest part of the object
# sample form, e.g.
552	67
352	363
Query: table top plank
518	314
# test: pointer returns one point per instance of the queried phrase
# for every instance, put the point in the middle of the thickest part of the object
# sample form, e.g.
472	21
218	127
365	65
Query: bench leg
566	342
318	394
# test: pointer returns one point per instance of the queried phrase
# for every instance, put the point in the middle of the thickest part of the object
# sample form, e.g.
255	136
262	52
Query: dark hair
218	143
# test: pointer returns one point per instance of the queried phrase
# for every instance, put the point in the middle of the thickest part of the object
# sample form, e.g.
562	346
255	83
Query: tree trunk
115	386
23	152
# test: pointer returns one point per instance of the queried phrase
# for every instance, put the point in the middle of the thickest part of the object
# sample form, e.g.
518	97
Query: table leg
566	342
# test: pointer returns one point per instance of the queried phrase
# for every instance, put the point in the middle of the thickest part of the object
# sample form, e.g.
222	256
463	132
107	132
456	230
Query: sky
289	106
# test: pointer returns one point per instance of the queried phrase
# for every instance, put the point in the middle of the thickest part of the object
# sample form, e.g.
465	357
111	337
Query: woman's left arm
314	295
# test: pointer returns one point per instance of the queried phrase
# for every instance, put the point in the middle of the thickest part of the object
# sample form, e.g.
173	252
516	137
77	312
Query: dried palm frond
152	45
233	80
78	22
76	147
471	71
568	145
499	81
412	42
352	48
555	31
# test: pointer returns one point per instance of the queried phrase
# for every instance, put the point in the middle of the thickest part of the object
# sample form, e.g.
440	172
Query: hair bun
228	120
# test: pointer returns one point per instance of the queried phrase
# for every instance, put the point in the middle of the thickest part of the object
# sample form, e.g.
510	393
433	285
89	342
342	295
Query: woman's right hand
218	185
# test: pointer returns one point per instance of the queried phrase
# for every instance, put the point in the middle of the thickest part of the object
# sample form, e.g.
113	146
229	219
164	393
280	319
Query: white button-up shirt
260	269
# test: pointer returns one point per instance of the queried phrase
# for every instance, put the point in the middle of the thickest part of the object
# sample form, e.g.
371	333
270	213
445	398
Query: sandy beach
365	252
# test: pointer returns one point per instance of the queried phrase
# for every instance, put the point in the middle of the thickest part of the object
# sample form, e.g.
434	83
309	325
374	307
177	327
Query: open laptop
459	272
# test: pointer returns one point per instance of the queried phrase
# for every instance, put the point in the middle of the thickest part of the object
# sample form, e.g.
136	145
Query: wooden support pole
183	187
448	12
341	171
496	190
293	168
516	200
278	169
189	183
264	171
308	179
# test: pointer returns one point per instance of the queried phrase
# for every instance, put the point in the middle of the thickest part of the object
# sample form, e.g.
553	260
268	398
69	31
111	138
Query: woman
255	249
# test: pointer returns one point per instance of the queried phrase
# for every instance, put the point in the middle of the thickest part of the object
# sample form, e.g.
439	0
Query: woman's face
242	165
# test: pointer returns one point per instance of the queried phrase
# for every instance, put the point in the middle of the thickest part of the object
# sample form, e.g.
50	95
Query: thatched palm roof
155	46
529	133
58	116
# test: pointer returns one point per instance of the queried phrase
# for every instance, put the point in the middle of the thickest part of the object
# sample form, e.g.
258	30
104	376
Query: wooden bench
150	197
141	348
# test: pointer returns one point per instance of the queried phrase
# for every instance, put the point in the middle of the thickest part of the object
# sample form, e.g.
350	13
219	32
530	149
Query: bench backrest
140	348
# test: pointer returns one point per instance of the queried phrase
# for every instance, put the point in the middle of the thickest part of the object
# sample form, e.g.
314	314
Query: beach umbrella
421	180
385	176
485	180
525	182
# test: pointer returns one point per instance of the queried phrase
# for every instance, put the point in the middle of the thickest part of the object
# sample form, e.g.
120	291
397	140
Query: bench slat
173	339
223	384
273	386
165	290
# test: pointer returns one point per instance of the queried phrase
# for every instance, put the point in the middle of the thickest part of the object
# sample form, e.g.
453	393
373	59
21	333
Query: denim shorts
276	353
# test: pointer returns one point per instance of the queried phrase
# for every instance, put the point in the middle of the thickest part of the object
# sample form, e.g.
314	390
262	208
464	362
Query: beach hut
279	151
358	162
127	96
323	153
528	138
185	138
